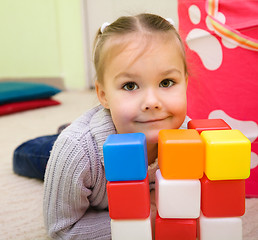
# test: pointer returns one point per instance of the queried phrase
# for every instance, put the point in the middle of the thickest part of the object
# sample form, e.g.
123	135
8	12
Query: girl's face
145	86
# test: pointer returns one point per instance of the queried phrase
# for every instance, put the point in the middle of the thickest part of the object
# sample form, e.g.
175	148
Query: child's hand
153	212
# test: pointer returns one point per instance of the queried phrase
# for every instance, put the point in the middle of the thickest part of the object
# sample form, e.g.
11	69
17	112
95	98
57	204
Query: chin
152	138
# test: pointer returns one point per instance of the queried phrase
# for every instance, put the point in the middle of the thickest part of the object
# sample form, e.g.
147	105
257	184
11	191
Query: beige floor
21	198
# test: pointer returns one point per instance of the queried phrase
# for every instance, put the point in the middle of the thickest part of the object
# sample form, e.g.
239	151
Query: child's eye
166	83
130	86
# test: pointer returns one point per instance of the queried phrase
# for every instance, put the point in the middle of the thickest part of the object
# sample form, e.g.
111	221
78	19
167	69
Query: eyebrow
169	71
126	75
132	75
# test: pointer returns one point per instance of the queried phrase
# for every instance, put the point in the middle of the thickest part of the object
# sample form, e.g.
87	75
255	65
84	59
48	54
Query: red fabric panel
26	105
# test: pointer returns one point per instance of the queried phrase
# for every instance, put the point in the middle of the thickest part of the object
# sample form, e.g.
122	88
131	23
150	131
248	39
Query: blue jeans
30	158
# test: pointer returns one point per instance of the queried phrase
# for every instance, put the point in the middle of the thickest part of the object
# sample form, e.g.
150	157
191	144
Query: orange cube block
181	154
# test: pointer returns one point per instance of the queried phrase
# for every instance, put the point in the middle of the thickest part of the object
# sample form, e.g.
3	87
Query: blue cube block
125	157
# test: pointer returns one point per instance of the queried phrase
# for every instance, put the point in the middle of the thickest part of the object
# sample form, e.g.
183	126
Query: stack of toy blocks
227	165
200	186
186	198
178	188
126	165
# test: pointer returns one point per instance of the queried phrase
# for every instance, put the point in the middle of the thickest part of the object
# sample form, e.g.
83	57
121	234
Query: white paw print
203	43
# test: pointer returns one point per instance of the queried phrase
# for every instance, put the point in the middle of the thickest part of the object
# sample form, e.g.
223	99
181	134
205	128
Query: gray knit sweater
75	199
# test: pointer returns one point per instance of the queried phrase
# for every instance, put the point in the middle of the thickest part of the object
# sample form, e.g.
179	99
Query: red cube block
208	124
129	199
179	229
222	198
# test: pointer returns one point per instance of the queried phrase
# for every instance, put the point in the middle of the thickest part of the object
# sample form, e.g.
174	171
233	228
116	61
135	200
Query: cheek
178	108
122	106
176	101
182	102
181	107
122	114
119	106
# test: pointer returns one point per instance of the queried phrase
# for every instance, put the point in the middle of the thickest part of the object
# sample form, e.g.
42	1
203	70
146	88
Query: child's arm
73	184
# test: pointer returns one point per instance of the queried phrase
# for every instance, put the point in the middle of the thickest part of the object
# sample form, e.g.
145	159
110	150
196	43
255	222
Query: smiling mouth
152	120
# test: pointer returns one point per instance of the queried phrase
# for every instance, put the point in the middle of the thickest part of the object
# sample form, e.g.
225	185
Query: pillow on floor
26	105
21	91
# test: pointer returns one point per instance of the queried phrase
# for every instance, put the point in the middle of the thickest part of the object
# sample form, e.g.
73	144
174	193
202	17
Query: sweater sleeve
75	200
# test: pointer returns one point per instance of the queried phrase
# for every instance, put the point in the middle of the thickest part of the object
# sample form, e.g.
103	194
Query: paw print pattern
210	57
221	81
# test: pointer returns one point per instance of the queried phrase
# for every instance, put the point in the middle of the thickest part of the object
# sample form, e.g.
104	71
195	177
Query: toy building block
177	198
129	199
219	228
131	229
179	229
208	124
223	198
180	154
228	154
125	157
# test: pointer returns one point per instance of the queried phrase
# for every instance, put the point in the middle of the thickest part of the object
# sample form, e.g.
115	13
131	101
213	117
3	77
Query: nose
151	100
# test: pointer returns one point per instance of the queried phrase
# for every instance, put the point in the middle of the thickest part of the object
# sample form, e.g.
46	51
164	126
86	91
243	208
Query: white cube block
131	229
177	198
220	228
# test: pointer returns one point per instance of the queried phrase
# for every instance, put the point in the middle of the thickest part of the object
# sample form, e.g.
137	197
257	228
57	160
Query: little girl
141	85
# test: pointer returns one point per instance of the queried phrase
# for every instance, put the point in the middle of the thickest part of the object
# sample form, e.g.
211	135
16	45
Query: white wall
99	11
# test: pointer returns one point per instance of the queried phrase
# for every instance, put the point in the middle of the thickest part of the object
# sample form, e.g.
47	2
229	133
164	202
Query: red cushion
26	105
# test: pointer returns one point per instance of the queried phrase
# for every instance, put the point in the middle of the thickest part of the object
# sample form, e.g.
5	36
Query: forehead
131	47
137	42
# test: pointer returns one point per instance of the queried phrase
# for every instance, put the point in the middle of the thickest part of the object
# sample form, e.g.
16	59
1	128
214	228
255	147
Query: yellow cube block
228	155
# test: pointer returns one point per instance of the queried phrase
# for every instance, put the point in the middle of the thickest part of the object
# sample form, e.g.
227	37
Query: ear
101	94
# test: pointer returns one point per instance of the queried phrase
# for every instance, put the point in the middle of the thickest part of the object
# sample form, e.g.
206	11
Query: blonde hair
131	24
